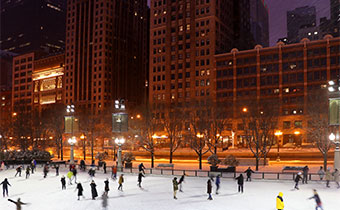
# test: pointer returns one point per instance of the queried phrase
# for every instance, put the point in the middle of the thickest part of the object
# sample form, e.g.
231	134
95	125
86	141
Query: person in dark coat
18	169
240	182
180	182
45	170
80	190
5	185
305	171
297	179
28	172
141	168
104	167
140	176
82	165
317	200
63	183
217	182
74	171
57	170
249	172
93	190
106	188
209	189
18	203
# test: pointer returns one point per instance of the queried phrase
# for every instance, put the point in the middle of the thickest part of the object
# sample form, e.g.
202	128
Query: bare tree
22	127
259	121
318	127
173	124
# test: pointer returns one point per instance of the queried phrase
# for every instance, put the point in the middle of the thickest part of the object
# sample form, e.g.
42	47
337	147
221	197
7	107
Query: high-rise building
302	17
259	22
106	52
184	37
28	25
335	18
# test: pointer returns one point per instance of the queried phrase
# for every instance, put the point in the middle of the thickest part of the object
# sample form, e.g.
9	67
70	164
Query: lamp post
335	140
119	142
72	141
278	134
83	137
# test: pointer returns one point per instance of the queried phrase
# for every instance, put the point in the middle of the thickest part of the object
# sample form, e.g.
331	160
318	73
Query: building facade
32	25
288	74
335	17
259	22
302	17
106	52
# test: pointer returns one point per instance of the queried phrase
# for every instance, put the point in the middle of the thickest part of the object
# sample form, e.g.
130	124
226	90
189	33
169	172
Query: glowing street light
278	134
245	109
335	140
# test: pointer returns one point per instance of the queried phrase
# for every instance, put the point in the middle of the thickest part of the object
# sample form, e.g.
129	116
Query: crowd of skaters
327	175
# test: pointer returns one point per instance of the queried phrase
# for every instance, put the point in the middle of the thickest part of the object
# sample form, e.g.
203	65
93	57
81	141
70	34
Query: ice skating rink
46	194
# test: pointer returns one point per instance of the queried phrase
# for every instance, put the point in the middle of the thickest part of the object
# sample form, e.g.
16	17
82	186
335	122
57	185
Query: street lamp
278	134
72	141
120	142
82	137
335	140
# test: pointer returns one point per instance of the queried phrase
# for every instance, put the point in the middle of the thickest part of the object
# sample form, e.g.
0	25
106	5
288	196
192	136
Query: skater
82	165
104	201
92	172
5	185
209	189
120	182
140	176
80	190
45	170
336	177
34	165
279	202
328	177
104	167
27	172
57	170
249	172
305	171
141	168
317	200
106	188
240	182
175	186
217	182
93	190
297	179
18	169
74	171
18	203
63	183
70	177
321	173
180	182
114	172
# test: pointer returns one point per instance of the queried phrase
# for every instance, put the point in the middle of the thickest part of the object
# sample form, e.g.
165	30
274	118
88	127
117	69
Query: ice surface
157	194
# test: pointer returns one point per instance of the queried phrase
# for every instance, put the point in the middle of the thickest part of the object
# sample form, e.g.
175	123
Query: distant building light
309	34
315	32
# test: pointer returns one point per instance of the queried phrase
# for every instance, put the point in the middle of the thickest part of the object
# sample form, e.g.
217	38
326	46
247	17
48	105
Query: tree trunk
152	159
264	159
92	148
61	149
325	161
200	161
171	154
257	163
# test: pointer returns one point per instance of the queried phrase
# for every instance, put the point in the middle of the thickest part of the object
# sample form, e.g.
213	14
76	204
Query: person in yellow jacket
120	182
279	202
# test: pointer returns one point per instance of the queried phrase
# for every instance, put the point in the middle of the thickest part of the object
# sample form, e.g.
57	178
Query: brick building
288	73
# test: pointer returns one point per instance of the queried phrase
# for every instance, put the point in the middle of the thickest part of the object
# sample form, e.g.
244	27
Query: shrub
128	157
213	160
230	160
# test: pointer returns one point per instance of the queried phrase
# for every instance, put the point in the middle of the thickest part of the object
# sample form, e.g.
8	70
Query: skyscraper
32	25
335	17
298	18
106	52
259	22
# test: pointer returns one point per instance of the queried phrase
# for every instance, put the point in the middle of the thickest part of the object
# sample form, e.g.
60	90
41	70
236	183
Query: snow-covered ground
46	193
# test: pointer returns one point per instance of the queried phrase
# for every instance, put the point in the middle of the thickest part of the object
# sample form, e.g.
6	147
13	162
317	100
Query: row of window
23	60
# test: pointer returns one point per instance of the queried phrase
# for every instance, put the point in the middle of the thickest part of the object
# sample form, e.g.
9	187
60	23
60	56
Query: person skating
175	187
27	172
18	169
45	170
57	170
321	173
279	202
104	167
82	165
114	172
140	177
120	182
317	199
217	182
141	168
70	177
297	180
328	177
75	172
63	183
180	182
5	185
305	171
249	172
107	187
209	189
336	175
104	201
93	190
80	190
18	203
34	165
240	182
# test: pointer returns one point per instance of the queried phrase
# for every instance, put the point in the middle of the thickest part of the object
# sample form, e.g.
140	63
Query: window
286	124
298	124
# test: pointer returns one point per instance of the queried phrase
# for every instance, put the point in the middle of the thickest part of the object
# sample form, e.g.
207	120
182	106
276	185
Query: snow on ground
157	194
